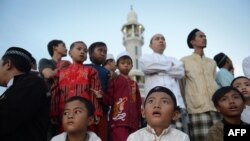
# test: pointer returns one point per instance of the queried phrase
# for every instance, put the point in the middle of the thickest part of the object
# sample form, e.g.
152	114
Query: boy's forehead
159	95
75	103
157	35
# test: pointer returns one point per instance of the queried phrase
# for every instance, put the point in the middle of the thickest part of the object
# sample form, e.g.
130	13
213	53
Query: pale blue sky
31	24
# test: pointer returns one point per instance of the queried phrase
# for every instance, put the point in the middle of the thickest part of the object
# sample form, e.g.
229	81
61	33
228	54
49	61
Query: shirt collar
10	83
152	131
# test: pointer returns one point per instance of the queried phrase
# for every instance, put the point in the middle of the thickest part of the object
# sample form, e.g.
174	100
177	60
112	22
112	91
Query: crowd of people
69	100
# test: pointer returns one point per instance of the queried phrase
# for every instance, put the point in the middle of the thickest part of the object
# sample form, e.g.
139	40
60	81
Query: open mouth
156	113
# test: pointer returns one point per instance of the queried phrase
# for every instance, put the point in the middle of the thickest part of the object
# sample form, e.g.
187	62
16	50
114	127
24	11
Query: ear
90	120
7	64
176	115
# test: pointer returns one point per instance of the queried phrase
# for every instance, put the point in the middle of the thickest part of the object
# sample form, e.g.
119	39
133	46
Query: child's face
79	53
158	43
99	55
159	110
124	66
243	85
231	104
75	117
112	65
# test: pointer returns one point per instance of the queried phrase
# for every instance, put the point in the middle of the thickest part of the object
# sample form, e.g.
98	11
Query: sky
31	24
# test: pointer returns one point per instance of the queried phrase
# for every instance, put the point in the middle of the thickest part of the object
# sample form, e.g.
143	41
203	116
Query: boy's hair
123	57
239	77
93	46
222	91
53	43
191	36
19	57
220	59
89	106
73	44
166	91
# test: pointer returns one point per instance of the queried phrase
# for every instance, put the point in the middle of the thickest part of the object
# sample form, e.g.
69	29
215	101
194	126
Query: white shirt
245	115
148	134
62	137
246	66
160	70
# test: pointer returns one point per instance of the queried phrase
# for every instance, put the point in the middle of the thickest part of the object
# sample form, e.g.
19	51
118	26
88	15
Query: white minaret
133	41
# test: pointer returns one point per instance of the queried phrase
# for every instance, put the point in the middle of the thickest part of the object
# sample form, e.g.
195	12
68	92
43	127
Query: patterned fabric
76	80
200	124
125	100
183	122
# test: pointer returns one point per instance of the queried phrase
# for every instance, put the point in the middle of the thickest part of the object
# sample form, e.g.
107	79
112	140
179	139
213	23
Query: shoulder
60	137
179	133
138	135
93	136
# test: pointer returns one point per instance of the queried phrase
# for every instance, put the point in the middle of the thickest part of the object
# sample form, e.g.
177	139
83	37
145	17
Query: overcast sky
32	24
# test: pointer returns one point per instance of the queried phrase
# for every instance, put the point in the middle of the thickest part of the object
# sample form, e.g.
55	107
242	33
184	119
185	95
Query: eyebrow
75	108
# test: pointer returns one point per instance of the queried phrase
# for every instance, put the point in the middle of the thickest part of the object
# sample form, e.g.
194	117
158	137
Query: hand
98	94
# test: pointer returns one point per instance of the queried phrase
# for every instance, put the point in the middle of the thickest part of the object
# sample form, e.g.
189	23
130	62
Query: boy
76	80
110	65
224	76
242	83
160	109
230	103
77	116
97	55
125	101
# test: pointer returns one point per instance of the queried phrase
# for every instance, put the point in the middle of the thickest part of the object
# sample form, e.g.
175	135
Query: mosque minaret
133	41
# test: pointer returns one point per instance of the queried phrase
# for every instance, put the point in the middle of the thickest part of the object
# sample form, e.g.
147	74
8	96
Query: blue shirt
224	77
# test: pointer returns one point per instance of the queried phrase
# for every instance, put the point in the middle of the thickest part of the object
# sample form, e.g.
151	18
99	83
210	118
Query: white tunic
245	115
62	137
246	66
148	134
160	70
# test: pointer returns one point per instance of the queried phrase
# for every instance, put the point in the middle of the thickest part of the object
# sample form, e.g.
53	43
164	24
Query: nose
157	105
70	115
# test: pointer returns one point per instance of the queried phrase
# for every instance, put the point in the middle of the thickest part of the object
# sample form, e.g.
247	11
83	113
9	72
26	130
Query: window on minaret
136	50
136	64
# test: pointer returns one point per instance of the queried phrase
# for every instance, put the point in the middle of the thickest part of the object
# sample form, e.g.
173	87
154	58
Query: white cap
125	53
109	57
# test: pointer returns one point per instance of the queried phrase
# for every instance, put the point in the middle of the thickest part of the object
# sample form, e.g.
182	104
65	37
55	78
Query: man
224	76
198	86
24	107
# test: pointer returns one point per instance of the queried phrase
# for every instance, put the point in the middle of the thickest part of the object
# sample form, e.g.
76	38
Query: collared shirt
224	77
148	134
199	83
161	70
63	136
246	66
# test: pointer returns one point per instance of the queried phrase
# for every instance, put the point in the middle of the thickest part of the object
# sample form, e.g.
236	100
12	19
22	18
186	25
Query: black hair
239	77
19	57
220	59
93	46
89	106
52	44
191	36
124	57
222	91
165	90
73	44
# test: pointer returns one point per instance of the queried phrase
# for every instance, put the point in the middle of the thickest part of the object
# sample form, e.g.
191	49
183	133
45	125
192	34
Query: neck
247	102
57	57
199	51
158	130
77	137
125	75
234	120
